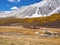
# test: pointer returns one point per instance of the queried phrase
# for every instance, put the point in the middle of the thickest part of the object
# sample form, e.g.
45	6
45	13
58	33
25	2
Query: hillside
49	21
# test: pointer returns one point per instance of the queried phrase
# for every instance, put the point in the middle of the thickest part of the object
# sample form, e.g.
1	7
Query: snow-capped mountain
43	8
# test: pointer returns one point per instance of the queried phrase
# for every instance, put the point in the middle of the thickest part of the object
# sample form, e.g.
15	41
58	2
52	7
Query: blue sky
7	5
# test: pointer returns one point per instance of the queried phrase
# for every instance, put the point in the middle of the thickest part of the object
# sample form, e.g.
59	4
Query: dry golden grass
23	40
16	29
19	29
29	39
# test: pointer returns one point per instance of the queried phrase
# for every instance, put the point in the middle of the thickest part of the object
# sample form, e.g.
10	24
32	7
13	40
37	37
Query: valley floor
17	35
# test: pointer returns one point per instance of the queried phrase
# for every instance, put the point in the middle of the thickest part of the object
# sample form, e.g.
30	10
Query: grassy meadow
30	31
26	36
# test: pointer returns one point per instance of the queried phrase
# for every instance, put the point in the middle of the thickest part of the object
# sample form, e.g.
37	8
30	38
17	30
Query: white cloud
13	8
11	0
18	0
7	11
14	0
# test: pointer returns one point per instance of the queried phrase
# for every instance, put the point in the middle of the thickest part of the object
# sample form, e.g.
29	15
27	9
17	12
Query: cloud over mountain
13	8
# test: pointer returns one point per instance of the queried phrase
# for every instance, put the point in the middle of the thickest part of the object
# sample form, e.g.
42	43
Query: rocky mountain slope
43	8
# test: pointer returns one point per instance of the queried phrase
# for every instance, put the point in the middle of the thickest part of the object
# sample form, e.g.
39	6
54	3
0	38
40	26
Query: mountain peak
43	8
